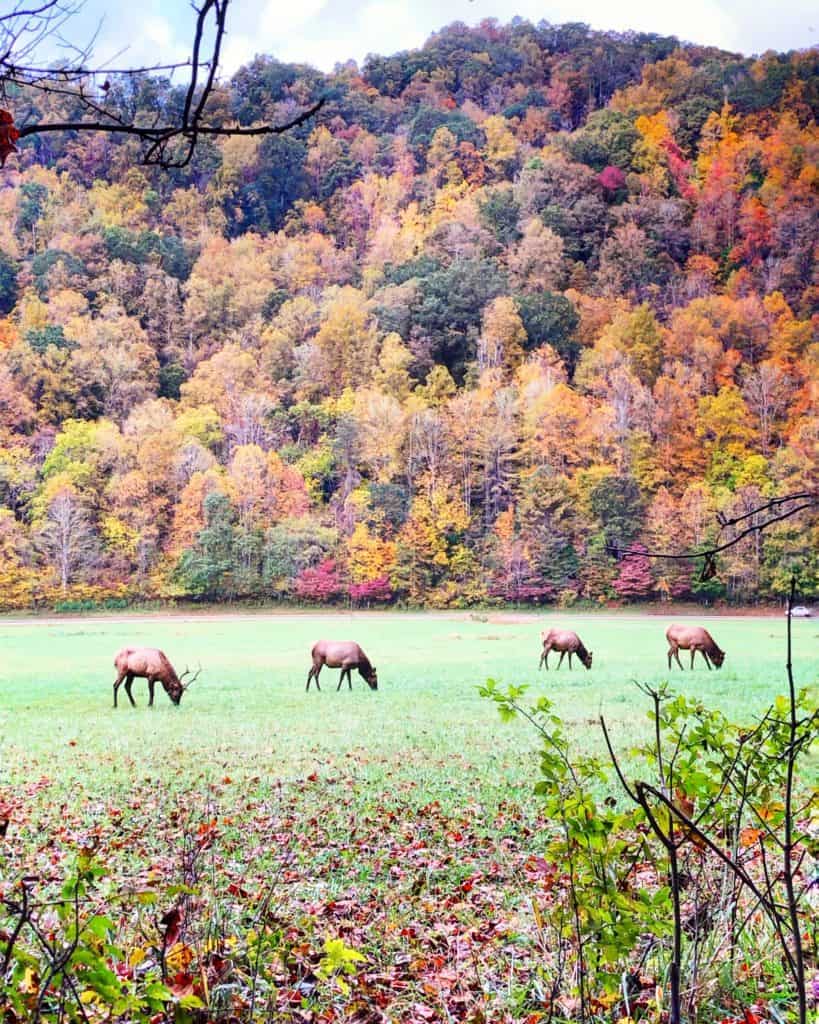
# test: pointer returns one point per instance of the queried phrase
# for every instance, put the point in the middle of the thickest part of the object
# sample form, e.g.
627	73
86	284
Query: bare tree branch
777	510
25	29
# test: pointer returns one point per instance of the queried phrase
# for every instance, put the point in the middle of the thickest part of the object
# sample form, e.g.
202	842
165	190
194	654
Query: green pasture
248	714
403	819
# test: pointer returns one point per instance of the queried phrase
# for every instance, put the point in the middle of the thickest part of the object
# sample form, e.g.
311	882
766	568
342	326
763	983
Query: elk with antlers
149	663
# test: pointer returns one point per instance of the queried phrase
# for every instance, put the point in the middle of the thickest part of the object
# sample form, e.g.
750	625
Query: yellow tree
346	342
558	430
441	153
381	424
369	557
392	376
228	285
432	561
18	577
247	474
113	356
502	336
501	146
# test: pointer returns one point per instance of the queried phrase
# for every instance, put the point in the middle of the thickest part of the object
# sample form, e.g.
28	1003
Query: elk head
717	656
176	687
372	678
587	660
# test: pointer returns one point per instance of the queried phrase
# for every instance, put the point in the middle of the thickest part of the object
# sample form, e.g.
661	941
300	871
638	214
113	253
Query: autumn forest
508	306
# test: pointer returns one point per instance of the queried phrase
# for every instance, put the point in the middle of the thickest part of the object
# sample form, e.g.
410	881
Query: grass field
249	710
333	788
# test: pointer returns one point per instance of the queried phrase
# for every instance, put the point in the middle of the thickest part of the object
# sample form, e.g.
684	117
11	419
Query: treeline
516	300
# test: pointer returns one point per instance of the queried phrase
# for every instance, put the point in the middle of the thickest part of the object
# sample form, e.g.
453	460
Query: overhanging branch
168	145
776	509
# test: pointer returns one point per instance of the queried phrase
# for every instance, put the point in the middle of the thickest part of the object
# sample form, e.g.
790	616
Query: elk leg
693	652
117	684
129	682
349	678
151	685
677	656
542	659
545	657
562	656
310	678
570	660
707	659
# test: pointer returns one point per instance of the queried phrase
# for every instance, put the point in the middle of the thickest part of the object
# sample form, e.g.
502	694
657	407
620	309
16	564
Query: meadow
402	820
248	709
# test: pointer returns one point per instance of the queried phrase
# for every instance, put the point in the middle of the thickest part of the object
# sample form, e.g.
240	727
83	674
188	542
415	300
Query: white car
799	611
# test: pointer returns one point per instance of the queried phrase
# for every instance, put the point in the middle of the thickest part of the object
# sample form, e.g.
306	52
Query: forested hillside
511	301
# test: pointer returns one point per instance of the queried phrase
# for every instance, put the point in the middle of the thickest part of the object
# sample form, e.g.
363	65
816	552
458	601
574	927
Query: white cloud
137	38
327	32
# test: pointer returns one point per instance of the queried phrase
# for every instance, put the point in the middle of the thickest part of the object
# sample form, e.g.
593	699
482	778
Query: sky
326	32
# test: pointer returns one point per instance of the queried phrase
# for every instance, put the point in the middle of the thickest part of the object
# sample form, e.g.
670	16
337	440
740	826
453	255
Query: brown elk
343	654
693	638
567	642
151	664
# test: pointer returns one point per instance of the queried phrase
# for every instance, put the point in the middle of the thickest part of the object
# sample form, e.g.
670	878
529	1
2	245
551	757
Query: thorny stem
778	912
676	957
21	920
793	907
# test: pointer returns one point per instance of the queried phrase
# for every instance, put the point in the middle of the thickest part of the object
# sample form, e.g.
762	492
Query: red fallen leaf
206	833
226	780
173	925
181	984
8	136
312	777
216	966
538	867
751	1018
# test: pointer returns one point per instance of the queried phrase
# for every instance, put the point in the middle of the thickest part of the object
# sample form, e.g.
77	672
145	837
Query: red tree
612	179
634	579
378	591
319	584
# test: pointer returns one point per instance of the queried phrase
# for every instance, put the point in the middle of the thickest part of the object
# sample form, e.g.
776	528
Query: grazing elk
343	654
693	638
151	664
567	642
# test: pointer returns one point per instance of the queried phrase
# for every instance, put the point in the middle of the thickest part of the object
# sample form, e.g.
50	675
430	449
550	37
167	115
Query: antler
193	679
